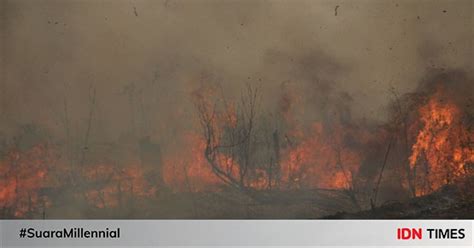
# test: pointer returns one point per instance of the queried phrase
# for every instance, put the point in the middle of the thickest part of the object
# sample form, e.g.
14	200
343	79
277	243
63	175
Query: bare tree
229	137
401	121
373	200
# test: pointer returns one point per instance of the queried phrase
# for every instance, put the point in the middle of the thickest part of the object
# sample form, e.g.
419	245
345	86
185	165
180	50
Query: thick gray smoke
145	57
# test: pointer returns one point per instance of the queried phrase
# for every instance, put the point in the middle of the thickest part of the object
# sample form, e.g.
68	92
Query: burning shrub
442	149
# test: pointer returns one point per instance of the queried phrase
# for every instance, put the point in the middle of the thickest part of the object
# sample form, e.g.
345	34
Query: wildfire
112	186
187	169
323	154
28	175
314	157
441	150
23	175
320	160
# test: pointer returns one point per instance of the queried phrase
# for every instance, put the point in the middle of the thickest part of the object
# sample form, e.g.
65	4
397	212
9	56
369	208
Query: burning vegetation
443	150
236	150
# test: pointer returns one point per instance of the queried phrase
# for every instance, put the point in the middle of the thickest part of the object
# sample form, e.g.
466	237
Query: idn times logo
405	233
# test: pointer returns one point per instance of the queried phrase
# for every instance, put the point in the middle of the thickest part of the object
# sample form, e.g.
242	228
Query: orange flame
23	175
320	161
441	150
113	185
187	169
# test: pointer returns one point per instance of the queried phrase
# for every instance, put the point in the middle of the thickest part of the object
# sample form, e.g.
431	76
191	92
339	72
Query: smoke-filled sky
55	51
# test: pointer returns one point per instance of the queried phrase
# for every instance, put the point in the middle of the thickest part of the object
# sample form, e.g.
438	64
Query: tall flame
441	150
